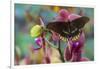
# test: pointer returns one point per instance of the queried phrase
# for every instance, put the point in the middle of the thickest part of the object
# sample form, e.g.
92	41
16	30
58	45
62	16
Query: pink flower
72	17
73	51
63	15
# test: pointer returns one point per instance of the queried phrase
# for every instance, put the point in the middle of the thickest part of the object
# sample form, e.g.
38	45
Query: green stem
59	49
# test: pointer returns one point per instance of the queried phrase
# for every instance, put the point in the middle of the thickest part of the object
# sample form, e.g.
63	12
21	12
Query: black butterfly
68	29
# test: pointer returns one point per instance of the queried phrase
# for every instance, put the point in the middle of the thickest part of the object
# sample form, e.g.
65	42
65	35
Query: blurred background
27	15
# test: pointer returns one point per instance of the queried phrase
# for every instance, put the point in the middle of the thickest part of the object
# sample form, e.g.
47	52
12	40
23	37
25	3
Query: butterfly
69	28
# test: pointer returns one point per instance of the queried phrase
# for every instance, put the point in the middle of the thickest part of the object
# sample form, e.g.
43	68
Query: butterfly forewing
80	22
59	27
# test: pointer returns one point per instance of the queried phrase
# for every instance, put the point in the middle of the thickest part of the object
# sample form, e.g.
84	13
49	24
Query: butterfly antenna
41	21
81	12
